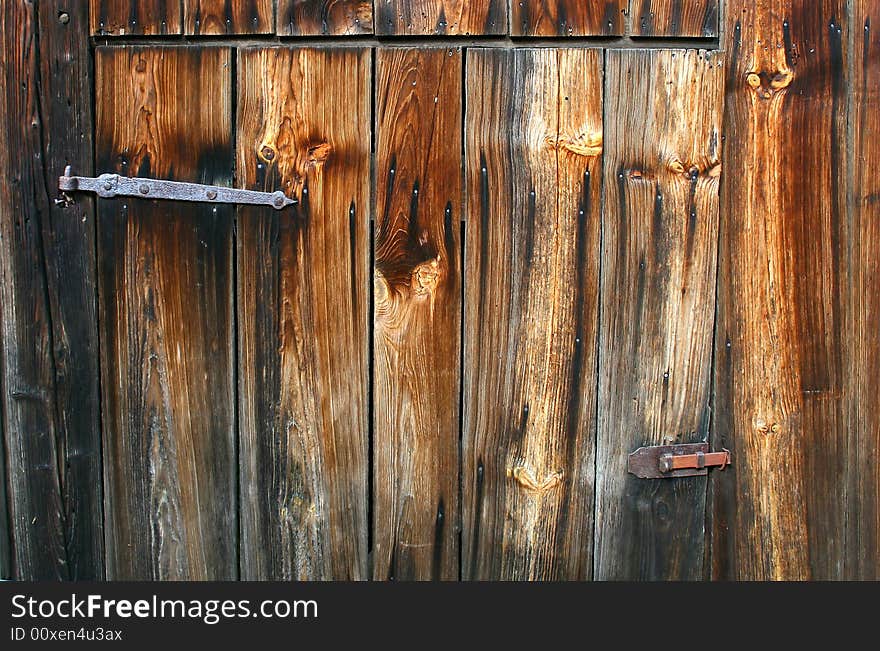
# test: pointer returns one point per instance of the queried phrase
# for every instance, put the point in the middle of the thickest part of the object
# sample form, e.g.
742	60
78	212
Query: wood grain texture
417	314
165	280
781	341
228	17
136	17
533	146
674	18
324	17
304	127
449	17
662	168
863	552
567	17
47	298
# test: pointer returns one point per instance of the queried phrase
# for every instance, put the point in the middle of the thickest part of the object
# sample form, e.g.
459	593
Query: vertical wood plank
304	118
449	17
135	17
224	17
47	298
658	288
782	301
165	275
324	17
567	17
533	148
674	18
417	314
863	552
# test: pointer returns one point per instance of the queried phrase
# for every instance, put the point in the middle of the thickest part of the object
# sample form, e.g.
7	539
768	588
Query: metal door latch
685	460
114	185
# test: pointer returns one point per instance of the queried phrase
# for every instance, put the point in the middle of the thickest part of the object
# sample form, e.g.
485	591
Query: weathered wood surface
167	348
567	17
657	303
417	314
304	127
228	17
47	298
136	17
440	17
783	296
863	544
533	146
681	18
324	17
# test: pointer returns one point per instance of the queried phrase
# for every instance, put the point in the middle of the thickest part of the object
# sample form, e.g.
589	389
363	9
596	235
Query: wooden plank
659	254
135	17
533	148
224	17
567	17
449	17
863	553
674	18
165	280
304	118
782	297
324	17
417	314
47	298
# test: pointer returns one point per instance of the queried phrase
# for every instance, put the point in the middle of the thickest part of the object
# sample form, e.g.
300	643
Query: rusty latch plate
683	460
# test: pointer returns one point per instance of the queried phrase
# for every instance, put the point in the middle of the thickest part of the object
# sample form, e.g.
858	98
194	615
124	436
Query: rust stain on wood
324	17
441	17
215	17
680	18
135	17
567	17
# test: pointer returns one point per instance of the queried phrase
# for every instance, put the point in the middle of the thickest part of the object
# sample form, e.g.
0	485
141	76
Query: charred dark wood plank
863	540
225	17
670	18
165	275
781	344
324	17
660	237
417	315
533	148
441	17
567	17
304	118
135	17
47	309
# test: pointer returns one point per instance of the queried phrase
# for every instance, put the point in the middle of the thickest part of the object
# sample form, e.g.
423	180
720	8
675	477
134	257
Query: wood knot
141	65
765	428
583	144
765	84
525	478
425	277
318	154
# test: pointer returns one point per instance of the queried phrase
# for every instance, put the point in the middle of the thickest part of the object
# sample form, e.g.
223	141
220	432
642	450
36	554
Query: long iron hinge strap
114	185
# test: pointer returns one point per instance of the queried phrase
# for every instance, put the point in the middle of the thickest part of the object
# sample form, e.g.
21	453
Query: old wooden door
513	260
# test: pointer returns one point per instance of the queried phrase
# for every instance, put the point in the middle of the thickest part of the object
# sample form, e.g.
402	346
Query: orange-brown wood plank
304	126
662	164
863	553
783	297
533	147
166	315
671	18
135	17
324	17
417	314
212	17
567	17
439	17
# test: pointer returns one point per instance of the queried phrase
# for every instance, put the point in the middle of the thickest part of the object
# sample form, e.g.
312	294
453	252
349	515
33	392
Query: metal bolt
108	185
64	18
144	189
268	153
212	194
279	201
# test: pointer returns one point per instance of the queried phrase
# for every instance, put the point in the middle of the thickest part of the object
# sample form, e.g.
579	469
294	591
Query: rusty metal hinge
684	460
115	185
